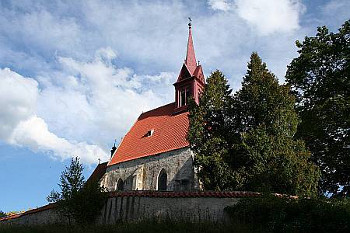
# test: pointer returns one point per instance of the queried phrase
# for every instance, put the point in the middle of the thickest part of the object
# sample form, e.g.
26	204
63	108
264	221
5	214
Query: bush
276	214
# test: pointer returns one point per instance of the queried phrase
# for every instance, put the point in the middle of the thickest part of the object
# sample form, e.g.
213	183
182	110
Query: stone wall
136	208
43	215
147	205
142	174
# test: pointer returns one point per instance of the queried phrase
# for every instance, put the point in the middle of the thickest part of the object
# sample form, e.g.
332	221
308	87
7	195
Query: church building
155	154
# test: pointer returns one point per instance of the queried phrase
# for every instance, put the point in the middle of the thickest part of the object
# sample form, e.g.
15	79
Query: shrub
276	214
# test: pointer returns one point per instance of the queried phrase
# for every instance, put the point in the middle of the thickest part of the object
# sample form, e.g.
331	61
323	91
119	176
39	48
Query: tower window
185	94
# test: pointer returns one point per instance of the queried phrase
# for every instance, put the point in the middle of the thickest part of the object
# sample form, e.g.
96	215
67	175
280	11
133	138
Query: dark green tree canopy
78	200
269	158
210	130
245	141
319	78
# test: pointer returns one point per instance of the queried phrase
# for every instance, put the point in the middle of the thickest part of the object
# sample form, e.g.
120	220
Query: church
155	154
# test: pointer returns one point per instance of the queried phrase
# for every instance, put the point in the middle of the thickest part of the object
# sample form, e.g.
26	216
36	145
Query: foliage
209	133
143	226
245	142
267	158
320	78
277	214
2	214
78	200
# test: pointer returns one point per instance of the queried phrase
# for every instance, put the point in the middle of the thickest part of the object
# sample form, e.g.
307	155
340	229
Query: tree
267	158
209	133
2	214
78	200
245	142
319	78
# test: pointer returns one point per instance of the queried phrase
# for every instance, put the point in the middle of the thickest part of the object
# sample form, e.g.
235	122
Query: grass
145	227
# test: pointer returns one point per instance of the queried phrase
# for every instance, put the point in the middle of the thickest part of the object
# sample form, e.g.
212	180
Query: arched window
120	185
162	180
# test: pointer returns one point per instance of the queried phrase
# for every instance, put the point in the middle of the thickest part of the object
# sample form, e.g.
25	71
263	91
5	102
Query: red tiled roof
97	174
170	132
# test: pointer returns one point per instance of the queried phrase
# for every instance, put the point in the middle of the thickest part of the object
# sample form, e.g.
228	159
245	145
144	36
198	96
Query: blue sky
74	75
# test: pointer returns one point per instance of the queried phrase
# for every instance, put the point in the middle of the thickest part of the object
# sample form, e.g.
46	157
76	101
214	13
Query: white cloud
219	5
265	16
20	125
99	64
96	101
269	16
34	133
18	96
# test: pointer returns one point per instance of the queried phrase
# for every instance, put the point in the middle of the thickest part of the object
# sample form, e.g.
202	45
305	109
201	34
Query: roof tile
169	134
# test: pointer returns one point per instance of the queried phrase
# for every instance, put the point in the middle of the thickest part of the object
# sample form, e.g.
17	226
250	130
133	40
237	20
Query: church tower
190	82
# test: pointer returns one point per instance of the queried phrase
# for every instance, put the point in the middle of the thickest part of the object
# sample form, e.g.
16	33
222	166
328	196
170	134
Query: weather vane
189	21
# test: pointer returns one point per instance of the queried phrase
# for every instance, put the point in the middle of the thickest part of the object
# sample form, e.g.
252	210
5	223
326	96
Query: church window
162	180
120	185
183	98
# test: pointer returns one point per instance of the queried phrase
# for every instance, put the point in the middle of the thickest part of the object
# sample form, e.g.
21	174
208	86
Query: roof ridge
156	108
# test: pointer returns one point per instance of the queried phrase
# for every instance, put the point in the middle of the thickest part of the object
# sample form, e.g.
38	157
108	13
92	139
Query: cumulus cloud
20	125
96	101
272	15
96	65
219	5
266	16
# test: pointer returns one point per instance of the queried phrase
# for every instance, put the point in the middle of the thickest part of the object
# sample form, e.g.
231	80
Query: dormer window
149	133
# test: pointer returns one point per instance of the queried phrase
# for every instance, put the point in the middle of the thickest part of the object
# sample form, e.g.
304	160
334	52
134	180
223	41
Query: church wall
142	173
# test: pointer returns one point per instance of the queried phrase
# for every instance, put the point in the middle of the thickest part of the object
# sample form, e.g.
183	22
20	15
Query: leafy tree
209	133
267	158
319	78
2	214
78	200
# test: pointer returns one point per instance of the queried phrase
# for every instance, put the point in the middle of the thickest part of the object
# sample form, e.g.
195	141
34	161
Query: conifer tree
78	201
245	142
209	133
267	158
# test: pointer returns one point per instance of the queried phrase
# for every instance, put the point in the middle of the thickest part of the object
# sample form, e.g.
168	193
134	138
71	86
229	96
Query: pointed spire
190	56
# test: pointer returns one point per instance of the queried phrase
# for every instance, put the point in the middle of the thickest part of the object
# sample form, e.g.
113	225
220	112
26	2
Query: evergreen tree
246	142
267	158
209	133
78	200
2	214
320	78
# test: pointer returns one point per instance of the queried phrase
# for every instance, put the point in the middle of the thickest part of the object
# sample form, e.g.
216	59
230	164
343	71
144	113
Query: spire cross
189	22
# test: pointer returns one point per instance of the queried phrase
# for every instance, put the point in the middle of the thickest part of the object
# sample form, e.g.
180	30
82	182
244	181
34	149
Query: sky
75	75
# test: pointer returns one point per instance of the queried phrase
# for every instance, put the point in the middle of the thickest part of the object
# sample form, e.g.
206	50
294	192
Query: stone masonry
143	173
